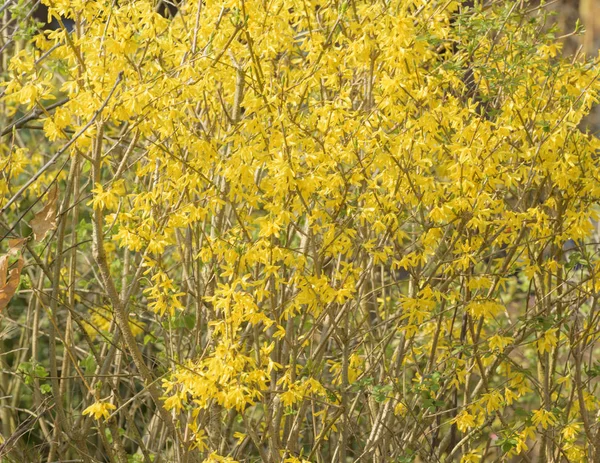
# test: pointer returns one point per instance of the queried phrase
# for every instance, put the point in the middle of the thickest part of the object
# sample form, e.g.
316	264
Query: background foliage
291	231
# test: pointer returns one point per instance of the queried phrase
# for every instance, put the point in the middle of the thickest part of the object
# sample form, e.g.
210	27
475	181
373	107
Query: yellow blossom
99	409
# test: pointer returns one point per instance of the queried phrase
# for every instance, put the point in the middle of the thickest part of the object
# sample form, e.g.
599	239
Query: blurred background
583	14
588	11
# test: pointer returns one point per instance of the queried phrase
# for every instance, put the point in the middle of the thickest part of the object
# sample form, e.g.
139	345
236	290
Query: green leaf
88	364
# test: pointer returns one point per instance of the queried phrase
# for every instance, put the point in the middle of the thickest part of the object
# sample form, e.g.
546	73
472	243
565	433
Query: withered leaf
15	245
3	270
45	220
8	286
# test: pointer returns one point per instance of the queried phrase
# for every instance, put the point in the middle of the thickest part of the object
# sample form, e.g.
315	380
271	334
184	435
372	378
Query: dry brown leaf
3	270
8	286
45	220
15	245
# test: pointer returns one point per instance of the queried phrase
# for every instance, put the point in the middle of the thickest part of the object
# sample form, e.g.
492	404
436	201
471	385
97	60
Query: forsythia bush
298	231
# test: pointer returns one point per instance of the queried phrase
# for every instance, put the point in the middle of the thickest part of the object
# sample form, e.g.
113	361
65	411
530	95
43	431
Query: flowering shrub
300	231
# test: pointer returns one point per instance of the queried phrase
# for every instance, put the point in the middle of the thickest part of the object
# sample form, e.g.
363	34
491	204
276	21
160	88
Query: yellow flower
499	342
570	431
400	409
107	199
544	417
547	340
174	402
99	409
471	457
216	458
295	460
464	421
509	396
484	308
493	401
200	440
